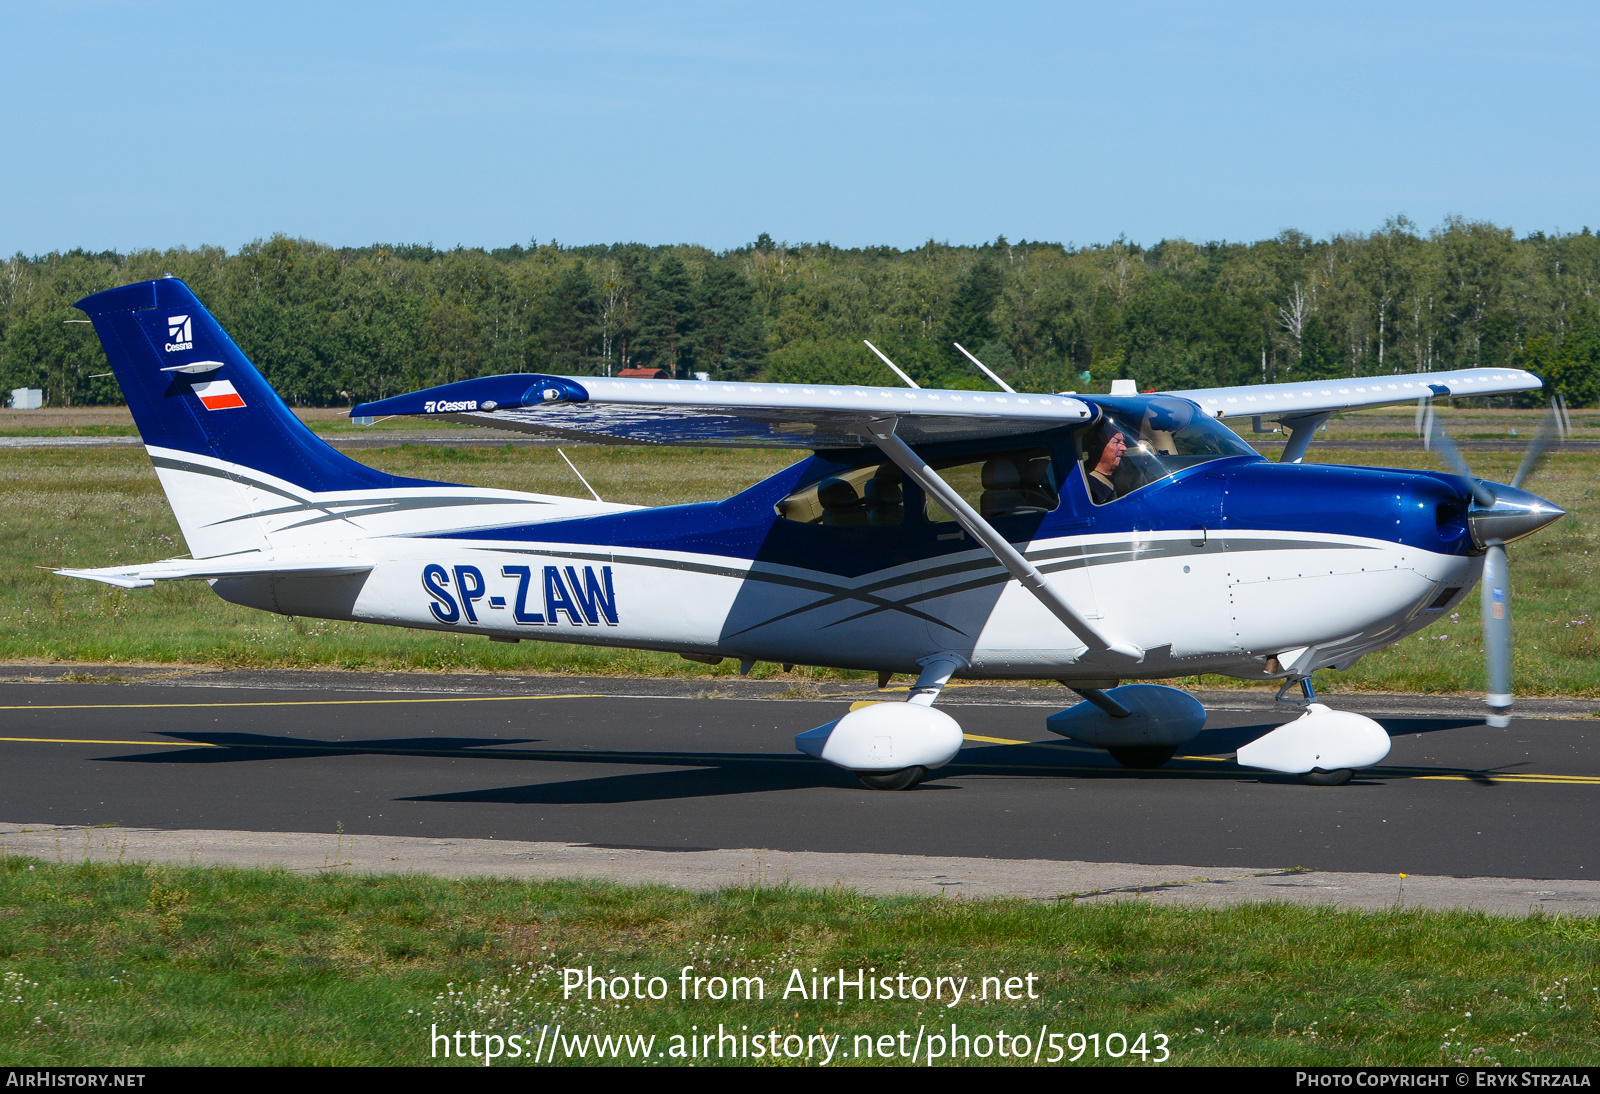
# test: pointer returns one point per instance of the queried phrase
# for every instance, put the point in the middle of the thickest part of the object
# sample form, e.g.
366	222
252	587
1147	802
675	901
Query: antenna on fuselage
985	369
892	366
581	479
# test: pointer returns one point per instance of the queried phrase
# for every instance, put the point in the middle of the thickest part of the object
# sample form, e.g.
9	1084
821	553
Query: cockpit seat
1010	489
885	501
841	505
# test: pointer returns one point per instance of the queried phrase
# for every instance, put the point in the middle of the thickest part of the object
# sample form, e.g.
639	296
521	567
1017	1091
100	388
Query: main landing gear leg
893	746
1308	695
936	673
1138	757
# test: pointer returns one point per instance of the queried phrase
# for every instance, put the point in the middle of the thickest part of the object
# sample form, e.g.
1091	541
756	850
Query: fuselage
1233	565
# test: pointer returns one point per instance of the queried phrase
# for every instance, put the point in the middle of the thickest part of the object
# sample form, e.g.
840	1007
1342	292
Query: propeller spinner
1498	515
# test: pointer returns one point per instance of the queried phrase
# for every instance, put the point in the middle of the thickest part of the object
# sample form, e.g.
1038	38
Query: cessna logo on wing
180	333
587	600
446	406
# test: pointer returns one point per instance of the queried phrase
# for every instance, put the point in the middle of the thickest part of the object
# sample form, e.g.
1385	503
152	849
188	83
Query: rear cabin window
1021	482
871	496
1007	484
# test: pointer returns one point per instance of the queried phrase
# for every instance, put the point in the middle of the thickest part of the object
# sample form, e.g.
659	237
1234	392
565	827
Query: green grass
95	507
146	965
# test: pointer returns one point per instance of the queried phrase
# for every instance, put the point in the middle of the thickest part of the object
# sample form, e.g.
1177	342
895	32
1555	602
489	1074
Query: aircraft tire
904	779
1319	777
1142	757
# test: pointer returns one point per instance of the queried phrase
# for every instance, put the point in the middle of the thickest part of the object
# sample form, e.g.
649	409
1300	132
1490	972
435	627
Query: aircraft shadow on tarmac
716	774
240	747
1230	739
713	774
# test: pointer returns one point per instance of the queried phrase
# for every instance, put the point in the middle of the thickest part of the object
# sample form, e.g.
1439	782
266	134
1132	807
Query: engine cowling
885	737
1320	739
1157	717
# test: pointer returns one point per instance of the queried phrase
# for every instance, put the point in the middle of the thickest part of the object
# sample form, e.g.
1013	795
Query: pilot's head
1105	450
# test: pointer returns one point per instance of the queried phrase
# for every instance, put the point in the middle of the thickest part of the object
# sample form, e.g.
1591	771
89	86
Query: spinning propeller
1497	515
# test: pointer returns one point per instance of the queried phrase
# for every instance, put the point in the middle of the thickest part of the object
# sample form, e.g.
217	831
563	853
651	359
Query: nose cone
1514	514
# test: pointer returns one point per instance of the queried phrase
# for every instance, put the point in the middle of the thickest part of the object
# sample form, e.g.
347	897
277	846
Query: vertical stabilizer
224	444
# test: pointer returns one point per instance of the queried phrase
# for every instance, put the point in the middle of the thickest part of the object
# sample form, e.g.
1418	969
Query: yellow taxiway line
1508	777
292	703
1569	780
1558	780
81	741
1573	780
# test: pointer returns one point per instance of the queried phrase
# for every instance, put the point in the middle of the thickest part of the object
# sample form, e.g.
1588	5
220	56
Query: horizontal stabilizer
204	569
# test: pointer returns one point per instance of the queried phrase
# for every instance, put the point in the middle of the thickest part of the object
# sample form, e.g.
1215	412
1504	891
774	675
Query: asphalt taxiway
656	766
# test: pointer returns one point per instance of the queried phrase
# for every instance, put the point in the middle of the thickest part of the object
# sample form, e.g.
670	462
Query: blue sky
131	125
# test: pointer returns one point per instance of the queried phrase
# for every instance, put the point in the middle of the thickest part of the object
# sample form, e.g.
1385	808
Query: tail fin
223	442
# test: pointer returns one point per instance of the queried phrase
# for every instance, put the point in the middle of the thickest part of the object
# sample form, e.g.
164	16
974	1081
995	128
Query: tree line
331	326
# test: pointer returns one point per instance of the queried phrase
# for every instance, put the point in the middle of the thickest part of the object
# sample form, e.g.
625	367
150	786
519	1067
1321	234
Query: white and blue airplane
1003	535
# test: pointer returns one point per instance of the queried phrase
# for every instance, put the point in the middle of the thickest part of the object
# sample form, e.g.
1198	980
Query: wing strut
1301	429
1102	650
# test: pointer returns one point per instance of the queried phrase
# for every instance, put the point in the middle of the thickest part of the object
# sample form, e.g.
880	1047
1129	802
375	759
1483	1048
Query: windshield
1138	442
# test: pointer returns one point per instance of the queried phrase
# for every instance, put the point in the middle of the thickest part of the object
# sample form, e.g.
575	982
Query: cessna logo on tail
179	330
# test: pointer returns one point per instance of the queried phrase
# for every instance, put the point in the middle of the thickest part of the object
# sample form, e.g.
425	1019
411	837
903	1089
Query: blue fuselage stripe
1229	497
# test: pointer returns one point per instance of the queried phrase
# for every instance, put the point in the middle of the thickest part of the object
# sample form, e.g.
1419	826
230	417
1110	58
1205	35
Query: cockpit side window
871	496
1138	442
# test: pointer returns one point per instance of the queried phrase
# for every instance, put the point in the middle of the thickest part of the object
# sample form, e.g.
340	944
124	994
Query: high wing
1327	396
189	569
602	410
1303	407
605	410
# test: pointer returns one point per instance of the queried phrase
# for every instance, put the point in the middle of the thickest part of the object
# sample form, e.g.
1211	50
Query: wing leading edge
1326	396
605	410
602	410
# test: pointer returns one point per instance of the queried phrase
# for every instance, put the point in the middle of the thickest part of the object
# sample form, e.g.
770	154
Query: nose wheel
904	779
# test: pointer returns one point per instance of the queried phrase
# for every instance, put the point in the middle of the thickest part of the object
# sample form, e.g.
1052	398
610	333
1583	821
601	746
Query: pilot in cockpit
1134	445
1102	457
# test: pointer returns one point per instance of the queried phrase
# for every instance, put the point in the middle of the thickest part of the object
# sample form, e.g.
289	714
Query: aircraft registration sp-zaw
936	533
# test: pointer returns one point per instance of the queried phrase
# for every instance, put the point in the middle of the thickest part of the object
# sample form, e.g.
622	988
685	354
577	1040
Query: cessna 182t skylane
935	533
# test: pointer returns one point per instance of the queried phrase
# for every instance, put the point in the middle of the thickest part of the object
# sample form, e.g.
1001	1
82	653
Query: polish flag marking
218	395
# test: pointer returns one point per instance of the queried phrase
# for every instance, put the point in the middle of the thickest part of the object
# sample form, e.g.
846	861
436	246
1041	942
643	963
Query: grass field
115	421
137	965
94	507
